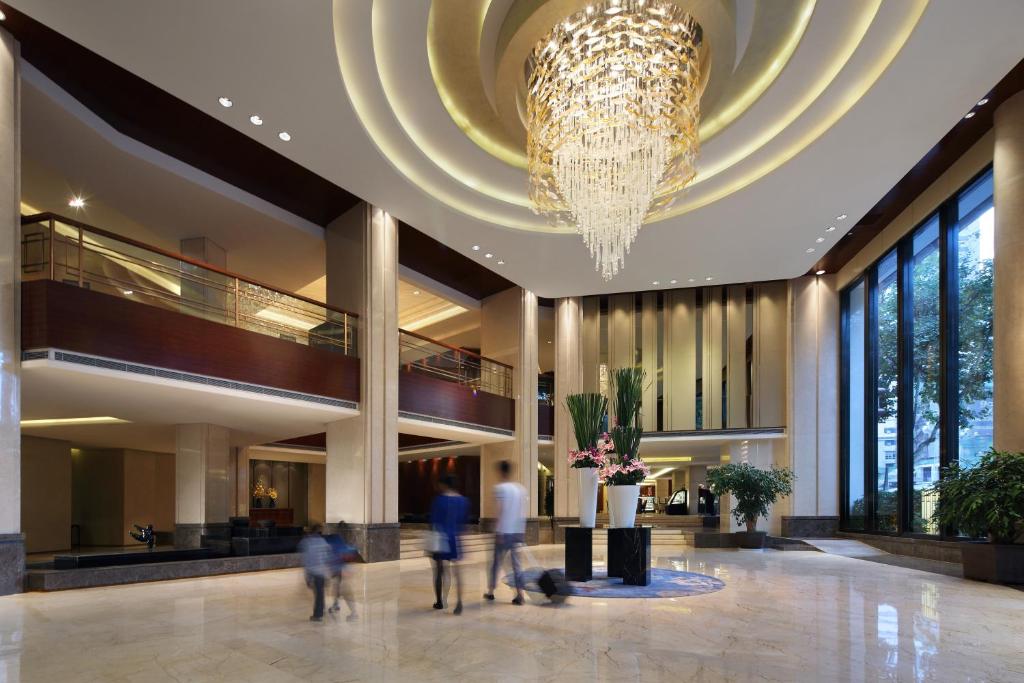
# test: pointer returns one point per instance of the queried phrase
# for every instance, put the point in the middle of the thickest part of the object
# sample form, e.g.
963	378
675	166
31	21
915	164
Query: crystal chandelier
612	112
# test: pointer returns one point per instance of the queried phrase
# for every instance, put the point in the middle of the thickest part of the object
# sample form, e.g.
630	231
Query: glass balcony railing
64	250
451	364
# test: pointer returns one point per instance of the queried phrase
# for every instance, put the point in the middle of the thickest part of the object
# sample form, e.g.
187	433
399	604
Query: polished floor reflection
781	617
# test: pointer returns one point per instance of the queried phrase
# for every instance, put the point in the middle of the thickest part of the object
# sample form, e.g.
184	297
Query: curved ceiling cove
812	109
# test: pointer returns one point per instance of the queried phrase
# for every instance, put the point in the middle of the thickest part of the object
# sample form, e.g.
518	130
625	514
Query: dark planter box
751	540
993	562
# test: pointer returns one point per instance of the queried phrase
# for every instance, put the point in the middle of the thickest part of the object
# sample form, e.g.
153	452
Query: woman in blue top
447	516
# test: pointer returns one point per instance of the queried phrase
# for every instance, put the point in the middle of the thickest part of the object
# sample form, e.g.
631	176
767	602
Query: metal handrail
453	364
242	299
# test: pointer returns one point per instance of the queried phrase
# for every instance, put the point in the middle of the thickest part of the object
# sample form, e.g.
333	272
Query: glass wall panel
854	381
886	390
926	372
975	246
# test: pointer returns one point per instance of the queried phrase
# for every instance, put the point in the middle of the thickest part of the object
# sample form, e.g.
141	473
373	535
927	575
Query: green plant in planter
627	391
986	500
754	489
587	413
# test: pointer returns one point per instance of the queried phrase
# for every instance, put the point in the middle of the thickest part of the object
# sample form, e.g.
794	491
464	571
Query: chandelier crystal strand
612	114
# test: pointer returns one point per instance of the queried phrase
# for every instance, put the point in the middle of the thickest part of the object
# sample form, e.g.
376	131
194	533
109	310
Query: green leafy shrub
984	500
753	489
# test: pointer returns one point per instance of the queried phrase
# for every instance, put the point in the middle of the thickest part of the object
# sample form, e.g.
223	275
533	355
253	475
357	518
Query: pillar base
374	542
12	563
558	525
810	526
191	535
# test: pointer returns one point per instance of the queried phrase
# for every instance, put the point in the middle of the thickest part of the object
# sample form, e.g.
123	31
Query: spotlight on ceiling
820	240
2	15
500	262
285	135
226	102
76	202
820	272
810	250
969	115
709	278
655	282
983	101
415	292
841	217
672	282
256	120
830	228
488	255
476	247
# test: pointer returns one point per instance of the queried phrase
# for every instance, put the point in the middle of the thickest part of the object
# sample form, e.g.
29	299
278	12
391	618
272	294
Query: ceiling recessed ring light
709	278
256	120
672	282
820	240
285	135
841	217
970	115
830	228
476	247
226	102
655	283
810	250
501	262
488	255
820	272
983	101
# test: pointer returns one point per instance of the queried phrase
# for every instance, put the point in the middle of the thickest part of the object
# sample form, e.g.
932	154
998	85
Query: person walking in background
447	517
341	554
316	558
510	530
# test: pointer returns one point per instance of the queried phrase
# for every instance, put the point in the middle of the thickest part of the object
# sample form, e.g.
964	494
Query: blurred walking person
316	558
447	516
509	531
341	554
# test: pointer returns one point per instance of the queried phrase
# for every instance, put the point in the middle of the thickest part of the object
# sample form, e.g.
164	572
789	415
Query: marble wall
45	494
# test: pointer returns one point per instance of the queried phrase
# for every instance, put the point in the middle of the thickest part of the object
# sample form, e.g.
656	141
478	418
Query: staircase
676	536
411	544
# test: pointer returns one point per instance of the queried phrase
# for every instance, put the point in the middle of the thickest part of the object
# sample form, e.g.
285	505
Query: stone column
12	542
362	452
1008	295
508	334
203	483
813	407
568	380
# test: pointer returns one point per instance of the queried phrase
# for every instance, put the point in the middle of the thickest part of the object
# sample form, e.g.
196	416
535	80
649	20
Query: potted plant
622	475
272	495
754	491
587	413
258	492
986	501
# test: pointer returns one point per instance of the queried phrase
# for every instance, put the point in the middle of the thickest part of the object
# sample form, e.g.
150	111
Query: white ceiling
152	407
281	60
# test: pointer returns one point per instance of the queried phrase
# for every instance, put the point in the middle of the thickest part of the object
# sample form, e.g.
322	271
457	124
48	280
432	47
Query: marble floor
783	616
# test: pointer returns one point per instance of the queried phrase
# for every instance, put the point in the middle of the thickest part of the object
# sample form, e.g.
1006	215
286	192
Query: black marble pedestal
579	553
629	555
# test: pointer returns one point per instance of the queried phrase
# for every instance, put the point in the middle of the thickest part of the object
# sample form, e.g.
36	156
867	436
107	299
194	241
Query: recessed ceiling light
709	278
692	280
2	15
830	228
500	262
820	272
549	341
672	282
820	240
841	217
225	102
488	255
285	135
476	247
983	101
76	202
655	282
415	292
256	120
128	292
969	115
810	250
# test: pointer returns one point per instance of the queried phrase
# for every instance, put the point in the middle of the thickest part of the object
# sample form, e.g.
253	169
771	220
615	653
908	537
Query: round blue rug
665	583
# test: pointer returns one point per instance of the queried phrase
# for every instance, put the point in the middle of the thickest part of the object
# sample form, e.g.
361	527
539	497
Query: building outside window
920	315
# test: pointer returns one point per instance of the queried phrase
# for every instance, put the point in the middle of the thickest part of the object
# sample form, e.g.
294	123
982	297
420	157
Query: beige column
12	543
508	334
812	423
735	353
649	360
1008	295
769	373
712	358
590	344
203	482
362	452
568	380
680	359
621	332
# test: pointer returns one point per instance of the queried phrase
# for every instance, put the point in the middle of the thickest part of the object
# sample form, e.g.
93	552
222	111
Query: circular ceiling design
781	73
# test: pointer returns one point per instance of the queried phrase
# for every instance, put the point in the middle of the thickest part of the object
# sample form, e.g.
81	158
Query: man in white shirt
509	531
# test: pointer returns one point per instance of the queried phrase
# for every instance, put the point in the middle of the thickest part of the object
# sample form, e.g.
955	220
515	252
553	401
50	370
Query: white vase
588	496
622	504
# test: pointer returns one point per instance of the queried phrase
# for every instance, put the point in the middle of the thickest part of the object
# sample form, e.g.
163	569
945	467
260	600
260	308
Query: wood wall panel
769	376
713	359
61	316
545	419
425	395
417	482
736	353
649	360
590	343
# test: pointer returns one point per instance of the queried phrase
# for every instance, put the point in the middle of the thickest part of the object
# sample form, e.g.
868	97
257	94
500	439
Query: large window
917	366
